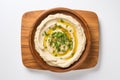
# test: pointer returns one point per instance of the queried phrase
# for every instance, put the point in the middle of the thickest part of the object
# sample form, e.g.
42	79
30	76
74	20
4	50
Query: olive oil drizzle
58	27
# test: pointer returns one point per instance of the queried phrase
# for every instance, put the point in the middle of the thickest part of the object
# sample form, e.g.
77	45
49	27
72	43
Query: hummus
60	40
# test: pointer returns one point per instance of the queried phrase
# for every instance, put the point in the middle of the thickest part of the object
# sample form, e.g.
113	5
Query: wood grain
28	20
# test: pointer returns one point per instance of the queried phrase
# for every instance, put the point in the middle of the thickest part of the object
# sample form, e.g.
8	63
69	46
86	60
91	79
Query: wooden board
28	20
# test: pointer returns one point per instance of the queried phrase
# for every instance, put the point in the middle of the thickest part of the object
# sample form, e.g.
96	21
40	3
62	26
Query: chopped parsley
46	34
61	20
66	26
60	39
72	54
56	55
45	47
70	30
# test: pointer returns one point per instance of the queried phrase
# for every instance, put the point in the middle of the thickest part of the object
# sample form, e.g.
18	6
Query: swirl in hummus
60	40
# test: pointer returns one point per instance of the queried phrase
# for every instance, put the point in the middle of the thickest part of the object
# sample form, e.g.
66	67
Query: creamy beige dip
60	40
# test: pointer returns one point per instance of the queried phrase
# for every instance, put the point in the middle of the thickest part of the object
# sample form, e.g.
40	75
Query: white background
11	67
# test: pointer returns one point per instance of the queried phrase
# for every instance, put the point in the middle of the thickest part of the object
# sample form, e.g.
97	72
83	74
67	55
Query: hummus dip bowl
87	45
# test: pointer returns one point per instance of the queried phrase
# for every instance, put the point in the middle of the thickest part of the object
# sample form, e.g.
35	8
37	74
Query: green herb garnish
53	51
56	55
70	30
42	34
49	27
61	20
61	58
46	34
72	54
59	39
63	50
55	24
59	26
66	26
70	46
45	47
